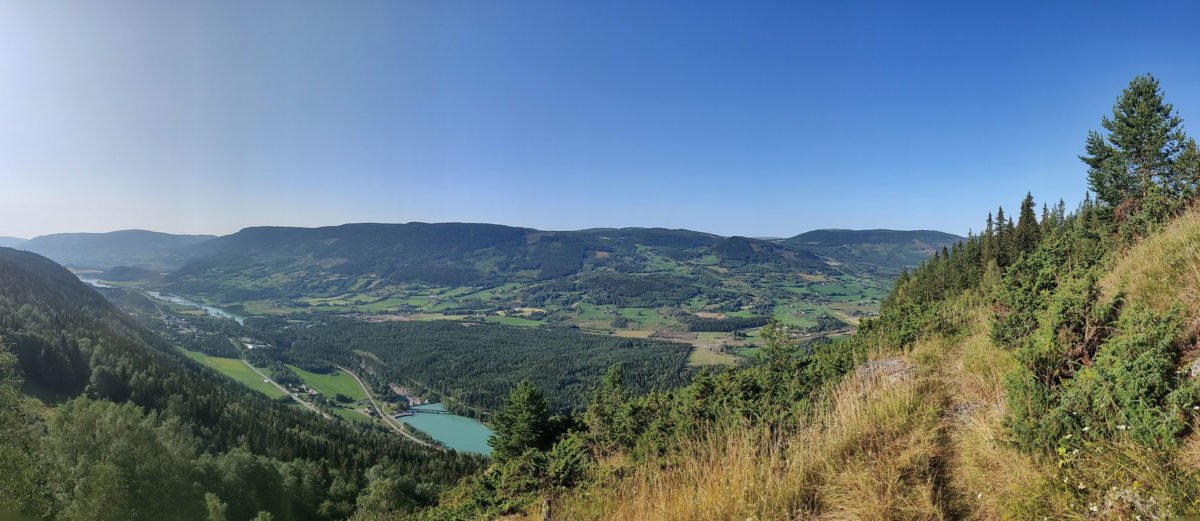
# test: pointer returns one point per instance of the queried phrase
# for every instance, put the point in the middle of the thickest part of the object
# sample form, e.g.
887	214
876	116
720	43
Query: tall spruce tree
989	240
1027	233
1002	239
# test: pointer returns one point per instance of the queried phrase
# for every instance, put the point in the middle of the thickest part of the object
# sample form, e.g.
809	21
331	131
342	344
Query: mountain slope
136	248
272	262
10	242
868	250
71	343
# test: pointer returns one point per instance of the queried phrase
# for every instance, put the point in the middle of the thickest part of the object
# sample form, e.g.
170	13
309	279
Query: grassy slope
924	447
928	447
235	369
331	384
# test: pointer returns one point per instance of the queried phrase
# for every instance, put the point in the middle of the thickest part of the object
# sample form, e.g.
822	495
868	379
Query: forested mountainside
1043	369
140	248
886	252
260	263
141	432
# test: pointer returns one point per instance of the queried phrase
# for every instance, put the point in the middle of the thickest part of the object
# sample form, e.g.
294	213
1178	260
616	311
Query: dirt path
391	422
310	406
967	402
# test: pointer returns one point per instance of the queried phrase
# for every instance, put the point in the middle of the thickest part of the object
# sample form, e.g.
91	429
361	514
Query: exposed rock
1194	368
890	370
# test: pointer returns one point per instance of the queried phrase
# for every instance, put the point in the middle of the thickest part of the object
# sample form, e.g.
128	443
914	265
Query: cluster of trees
472	366
723	325
623	290
1091	368
143	432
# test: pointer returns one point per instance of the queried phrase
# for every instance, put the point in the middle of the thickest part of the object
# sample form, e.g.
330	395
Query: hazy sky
749	118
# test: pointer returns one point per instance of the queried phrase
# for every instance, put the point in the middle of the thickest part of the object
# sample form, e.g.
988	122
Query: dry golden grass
927	446
870	453
1164	269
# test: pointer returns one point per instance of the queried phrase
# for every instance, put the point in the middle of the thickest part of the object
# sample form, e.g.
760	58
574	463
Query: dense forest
141	432
472	366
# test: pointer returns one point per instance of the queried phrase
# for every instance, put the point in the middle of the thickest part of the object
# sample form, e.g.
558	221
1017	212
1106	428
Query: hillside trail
964	379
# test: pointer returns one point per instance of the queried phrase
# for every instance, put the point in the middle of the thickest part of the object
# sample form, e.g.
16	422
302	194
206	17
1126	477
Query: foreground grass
871	452
1163	270
922	443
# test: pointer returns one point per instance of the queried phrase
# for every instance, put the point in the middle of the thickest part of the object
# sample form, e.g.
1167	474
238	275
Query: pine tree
607	419
1139	155
522	424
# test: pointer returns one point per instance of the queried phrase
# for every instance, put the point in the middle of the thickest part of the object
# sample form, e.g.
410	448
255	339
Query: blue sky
749	118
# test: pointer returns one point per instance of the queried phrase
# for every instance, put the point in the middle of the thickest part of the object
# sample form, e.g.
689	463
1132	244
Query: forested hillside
1043	369
138	431
873	251
260	263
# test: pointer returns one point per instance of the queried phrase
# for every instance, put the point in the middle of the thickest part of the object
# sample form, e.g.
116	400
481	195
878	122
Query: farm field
352	415
700	356
332	384
237	370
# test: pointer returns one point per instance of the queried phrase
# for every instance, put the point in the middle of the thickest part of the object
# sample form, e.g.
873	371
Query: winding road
384	416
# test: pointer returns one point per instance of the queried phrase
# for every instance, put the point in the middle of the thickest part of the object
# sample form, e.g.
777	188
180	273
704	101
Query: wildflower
1122	427
1085	429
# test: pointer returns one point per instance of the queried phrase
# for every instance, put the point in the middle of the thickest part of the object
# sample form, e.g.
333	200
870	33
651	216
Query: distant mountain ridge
274	262
10	242
139	248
